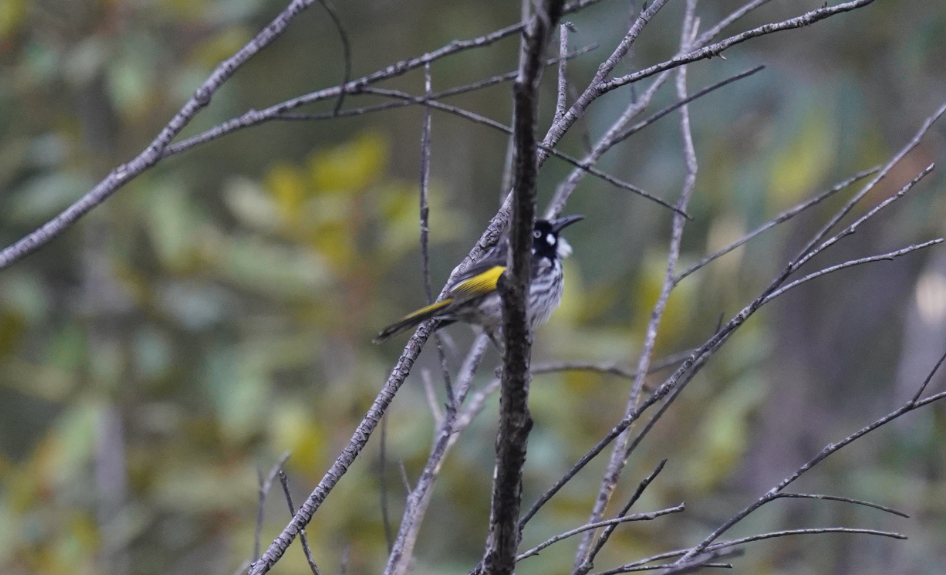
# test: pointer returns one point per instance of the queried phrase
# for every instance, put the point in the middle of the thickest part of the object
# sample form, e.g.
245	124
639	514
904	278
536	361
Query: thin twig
750	539
151	155
425	229
346	52
404	479
843	500
302	536
603	145
716	49
483	120
610	368
813	251
680	103
383	483
588	563
618	460
265	484
929	377
889	256
606	523
592	92
781	218
670	565
562	97
447	432
282	110
828	450
615	135
431	396
735	15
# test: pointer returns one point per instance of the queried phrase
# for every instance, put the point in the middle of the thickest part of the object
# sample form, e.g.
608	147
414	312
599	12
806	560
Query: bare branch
154	152
477	118
448	428
781	218
592	92
606	523
843	500
680	103
431	395
609	368
560	103
717	547
281	111
515	423
615	135
828	450
735	15
669	566
716	49
889	256
813	251
302	536
265	484
346	51
587	564
618	457
926	382
382	484
425	230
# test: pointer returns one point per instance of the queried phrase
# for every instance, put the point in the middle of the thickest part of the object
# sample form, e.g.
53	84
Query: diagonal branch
154	152
827	451
618	459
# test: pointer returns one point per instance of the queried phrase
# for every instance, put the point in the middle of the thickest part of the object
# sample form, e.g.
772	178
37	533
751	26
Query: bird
473	297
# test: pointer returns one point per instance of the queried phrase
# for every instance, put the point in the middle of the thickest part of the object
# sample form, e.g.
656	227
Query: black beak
561	223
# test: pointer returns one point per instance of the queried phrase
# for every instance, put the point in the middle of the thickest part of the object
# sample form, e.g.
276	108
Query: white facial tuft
563	248
550	238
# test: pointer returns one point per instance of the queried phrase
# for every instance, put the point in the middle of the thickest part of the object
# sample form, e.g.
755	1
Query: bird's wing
479	280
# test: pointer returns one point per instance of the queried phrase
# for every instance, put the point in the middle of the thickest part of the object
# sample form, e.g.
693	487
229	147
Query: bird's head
546	239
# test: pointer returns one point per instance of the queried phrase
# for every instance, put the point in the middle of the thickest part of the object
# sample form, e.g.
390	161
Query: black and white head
547	241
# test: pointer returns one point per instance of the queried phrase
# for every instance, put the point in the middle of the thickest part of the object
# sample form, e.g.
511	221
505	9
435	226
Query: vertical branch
619	453
514	419
425	228
382	484
424	186
561	102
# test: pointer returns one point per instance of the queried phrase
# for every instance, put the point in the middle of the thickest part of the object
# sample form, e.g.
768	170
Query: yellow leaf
335	243
294	429
288	188
12	15
351	167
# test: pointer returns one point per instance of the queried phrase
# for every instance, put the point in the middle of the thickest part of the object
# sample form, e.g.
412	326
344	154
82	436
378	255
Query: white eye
550	239
537	234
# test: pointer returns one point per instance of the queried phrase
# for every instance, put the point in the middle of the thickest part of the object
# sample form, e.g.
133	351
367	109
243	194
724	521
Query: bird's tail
407	322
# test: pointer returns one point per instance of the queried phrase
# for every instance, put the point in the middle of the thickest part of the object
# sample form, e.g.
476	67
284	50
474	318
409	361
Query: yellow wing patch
428	309
478	285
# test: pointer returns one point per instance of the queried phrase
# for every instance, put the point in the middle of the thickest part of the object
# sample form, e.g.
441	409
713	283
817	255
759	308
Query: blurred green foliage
217	311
